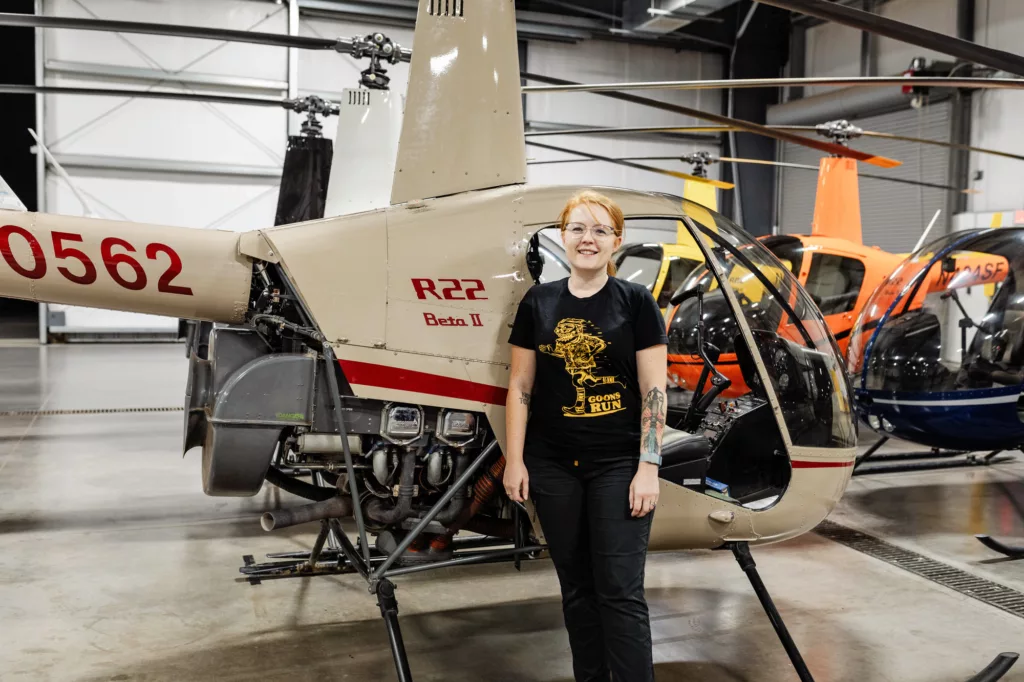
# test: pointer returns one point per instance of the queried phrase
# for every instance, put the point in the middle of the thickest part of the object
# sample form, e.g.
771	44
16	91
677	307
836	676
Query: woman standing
584	419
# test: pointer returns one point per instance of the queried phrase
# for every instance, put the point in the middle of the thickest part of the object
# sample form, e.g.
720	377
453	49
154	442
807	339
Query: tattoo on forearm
652	421
524	398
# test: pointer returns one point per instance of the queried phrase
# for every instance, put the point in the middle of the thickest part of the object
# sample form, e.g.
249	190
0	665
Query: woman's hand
516	481
643	491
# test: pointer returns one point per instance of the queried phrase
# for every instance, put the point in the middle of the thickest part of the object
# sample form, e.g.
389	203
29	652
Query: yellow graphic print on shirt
579	349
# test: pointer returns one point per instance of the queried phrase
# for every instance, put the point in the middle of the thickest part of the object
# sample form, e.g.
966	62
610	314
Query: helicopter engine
259	404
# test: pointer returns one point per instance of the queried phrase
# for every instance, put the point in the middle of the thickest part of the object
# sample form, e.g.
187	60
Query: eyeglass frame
591	229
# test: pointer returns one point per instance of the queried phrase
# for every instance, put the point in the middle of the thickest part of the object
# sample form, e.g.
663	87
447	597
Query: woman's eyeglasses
577	230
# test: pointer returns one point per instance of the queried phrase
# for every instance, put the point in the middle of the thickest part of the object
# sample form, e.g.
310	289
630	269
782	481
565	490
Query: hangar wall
214	166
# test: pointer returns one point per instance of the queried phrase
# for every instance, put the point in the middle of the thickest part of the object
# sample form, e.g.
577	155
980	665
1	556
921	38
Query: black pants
599	552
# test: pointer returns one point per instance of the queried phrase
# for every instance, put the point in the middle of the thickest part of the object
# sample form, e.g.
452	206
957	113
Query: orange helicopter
832	262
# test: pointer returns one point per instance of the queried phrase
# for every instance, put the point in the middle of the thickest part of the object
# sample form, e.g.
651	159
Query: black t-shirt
586	394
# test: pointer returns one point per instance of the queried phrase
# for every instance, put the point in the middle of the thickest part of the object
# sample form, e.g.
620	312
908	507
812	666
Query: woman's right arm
517	409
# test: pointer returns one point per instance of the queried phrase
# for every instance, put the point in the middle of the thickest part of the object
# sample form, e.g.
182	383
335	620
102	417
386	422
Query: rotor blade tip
883	162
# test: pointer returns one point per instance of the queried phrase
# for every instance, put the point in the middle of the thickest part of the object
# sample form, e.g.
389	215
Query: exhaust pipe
332	508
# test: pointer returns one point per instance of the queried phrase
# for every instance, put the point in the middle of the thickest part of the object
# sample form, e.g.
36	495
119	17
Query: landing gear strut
741	551
389	612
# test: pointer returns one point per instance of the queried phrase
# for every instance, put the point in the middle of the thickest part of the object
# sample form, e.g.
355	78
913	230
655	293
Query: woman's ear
618	242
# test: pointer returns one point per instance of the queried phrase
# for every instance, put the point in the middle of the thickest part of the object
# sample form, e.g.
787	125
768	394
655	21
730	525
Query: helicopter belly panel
339	268
160	270
689	519
456	274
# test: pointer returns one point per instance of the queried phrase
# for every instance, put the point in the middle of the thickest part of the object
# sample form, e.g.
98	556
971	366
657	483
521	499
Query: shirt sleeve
522	329
648	322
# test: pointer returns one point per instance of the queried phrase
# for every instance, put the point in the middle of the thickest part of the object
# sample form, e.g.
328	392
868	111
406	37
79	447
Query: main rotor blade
873	176
919	140
740	83
177	30
8	89
638	166
343	45
897	30
788	128
745	126
764	162
635	129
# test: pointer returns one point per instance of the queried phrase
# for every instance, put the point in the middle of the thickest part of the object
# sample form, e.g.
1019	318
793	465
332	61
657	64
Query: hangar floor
114	566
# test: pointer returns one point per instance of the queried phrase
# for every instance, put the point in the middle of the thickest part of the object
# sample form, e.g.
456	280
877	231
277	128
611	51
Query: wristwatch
650	457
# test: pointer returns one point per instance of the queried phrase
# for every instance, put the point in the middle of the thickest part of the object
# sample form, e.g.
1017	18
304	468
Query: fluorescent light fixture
658	12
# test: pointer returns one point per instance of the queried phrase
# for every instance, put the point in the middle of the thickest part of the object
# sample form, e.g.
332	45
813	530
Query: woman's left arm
651	364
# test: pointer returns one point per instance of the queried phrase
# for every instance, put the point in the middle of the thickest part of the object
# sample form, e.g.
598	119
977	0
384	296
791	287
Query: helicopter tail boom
172	271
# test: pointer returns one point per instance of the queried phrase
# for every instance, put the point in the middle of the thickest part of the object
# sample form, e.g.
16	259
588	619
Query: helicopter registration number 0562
86	272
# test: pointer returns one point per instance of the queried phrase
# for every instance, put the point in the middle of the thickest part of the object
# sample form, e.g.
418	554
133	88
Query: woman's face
589	238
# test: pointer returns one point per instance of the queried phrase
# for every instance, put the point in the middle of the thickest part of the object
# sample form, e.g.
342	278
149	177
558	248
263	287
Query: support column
762	50
40	128
293	66
959	172
868	42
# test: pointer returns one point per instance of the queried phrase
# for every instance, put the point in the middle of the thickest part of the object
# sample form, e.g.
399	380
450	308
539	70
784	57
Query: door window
834	282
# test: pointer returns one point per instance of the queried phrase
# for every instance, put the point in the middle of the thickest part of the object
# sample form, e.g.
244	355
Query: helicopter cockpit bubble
937	355
792	396
790	426
793	342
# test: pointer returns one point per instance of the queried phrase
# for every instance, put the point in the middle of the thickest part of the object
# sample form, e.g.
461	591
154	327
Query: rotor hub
313	106
378	48
839	132
700	162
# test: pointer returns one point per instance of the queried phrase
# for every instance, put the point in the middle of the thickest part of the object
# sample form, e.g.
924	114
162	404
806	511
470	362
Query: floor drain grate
994	594
107	410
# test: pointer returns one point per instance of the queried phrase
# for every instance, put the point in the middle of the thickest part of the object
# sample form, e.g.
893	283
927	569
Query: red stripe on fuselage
384	376
808	464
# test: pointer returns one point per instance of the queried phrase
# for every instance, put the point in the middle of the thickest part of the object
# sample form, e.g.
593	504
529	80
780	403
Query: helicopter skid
1011	551
334	562
927	461
995	670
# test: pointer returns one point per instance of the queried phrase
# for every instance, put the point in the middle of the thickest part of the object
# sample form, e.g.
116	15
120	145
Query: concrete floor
114	566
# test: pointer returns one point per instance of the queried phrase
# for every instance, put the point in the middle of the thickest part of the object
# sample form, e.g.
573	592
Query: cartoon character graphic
579	349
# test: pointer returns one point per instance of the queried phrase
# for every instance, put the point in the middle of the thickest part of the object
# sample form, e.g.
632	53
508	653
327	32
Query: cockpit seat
684	458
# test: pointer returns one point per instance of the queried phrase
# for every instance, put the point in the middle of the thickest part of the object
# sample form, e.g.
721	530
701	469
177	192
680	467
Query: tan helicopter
391	372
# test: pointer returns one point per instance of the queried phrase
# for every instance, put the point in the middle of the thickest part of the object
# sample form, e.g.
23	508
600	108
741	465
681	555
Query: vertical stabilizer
9	201
837	204
703	194
369	123
463	125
